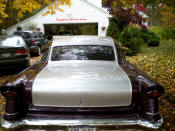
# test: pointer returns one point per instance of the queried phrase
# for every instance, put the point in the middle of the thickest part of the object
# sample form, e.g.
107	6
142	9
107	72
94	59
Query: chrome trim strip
11	114
82	122
152	113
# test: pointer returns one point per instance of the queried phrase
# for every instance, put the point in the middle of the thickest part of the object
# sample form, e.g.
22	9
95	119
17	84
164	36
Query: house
84	17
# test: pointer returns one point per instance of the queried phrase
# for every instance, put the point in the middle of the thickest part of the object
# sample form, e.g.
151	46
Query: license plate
5	54
81	128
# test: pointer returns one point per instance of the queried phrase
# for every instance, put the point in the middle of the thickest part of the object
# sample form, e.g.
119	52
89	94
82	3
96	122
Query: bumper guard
82	122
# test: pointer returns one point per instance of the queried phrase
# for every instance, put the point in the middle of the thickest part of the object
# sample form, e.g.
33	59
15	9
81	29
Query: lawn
159	62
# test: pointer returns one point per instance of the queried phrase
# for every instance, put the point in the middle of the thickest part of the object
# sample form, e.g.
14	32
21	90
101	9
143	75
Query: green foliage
155	39
170	97
169	34
164	34
113	30
131	38
158	30
145	36
151	38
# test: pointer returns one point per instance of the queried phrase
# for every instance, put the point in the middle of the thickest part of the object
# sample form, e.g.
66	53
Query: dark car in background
13	52
35	40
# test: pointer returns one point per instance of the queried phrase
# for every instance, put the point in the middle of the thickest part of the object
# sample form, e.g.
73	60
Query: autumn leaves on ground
159	62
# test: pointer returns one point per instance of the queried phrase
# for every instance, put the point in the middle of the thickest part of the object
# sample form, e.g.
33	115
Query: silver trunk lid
82	84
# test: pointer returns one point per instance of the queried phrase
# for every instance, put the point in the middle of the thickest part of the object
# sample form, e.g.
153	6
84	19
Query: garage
83	17
71	29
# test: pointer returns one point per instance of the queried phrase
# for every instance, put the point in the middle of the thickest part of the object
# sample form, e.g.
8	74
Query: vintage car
82	81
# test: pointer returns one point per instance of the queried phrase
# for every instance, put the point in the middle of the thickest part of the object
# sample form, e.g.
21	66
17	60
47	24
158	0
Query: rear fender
150	92
14	100
17	92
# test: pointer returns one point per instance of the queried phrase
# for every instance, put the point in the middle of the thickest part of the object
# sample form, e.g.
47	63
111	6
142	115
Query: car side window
40	35
27	35
121	56
24	35
36	36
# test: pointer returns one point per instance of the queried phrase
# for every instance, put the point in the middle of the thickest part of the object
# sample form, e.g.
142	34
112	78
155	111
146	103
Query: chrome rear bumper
82	122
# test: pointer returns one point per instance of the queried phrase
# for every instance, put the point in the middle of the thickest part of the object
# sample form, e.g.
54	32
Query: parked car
82	81
35	40
13	52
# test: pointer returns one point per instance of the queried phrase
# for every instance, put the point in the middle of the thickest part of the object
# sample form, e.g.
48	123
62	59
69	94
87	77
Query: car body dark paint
38	38
22	84
14	61
142	106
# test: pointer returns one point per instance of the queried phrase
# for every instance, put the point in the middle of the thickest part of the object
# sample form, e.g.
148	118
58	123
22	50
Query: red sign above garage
70	19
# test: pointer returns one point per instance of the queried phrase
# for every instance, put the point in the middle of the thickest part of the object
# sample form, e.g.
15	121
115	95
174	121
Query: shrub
113	30
164	34
146	36
151	38
155	39
169	34
131	38
158	30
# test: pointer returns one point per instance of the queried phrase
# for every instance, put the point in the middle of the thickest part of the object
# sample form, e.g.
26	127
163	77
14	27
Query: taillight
11	109
153	94
20	52
33	42
10	94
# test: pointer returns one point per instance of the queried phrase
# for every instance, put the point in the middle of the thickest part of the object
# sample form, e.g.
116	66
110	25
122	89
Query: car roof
29	31
10	36
82	40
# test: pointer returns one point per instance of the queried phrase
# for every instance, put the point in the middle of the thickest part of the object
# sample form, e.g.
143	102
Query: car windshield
14	41
83	52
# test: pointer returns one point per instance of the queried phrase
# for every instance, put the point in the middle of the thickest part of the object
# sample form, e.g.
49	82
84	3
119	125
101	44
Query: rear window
83	52
24	35
15	41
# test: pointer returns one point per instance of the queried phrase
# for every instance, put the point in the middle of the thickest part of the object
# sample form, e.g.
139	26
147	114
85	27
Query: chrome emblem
82	101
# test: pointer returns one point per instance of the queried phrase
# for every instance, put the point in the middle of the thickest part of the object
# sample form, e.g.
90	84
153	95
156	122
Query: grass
159	62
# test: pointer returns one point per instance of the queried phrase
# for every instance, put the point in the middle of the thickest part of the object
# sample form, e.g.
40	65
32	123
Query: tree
125	12
2	10
113	30
128	10
12	9
168	16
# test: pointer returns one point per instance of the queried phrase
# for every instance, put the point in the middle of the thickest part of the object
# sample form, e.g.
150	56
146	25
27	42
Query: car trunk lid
7	53
82	84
